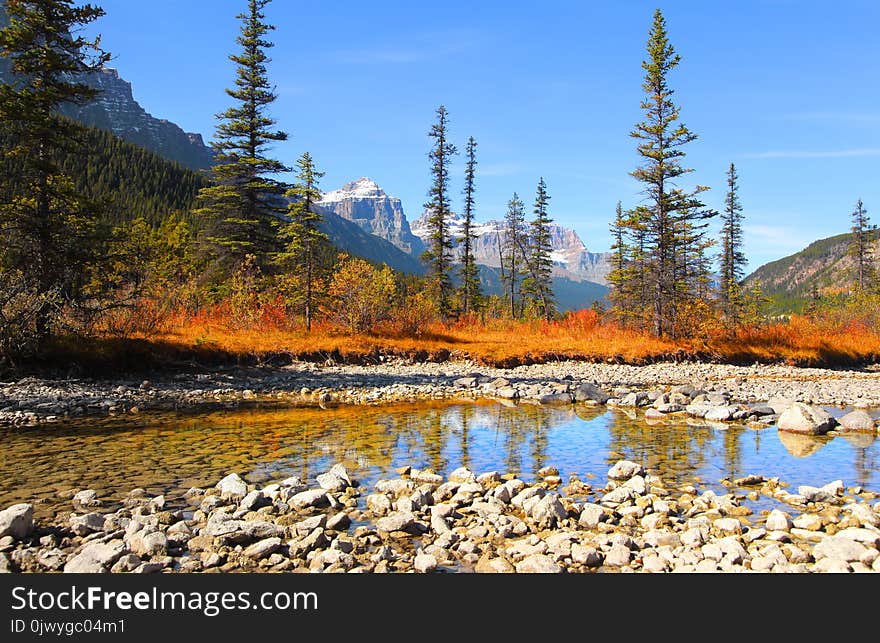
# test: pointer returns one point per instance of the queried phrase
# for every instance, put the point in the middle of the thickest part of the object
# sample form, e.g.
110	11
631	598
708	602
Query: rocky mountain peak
363	188
363	202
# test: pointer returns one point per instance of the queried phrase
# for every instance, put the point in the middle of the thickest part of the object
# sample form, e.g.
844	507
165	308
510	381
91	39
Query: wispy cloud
806	154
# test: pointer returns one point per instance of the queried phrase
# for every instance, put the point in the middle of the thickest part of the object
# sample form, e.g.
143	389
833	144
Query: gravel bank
489	523
35	401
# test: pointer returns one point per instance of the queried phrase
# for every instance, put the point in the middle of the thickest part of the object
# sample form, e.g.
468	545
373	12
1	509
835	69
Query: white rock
310	498
618	556
538	564
95	558
232	485
839	548
17	521
857	420
425	563
624	470
778	521
263	548
801	418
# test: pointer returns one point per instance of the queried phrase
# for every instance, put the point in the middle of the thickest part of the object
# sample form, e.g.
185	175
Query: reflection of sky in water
170	455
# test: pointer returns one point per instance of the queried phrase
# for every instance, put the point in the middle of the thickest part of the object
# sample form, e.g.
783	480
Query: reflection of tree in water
676	451
865	460
732	454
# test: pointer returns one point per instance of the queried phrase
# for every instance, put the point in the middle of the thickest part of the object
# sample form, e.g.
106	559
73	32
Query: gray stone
331	482
86	498
95	558
148	543
538	564
587	392
637	398
801	418
857	420
860	535
339	522
624	470
232	485
586	555
489	564
87	524
462	475
17	521
548	511
396	521
618	556
591	516
815	494
310	498
778	521
255	500
618	496
720	413
263	548
839	548
425	563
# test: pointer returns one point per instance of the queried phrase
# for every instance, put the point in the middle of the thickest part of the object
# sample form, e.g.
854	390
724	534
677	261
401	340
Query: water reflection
170	454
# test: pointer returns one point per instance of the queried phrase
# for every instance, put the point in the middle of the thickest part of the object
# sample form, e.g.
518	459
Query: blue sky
787	90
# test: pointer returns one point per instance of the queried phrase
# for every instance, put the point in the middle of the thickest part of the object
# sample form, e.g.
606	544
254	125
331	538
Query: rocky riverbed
739	390
421	522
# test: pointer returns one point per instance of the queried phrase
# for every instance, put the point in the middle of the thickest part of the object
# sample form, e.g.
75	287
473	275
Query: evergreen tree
621	277
538	286
674	218
51	237
732	258
439	252
471	295
860	246
301	234
513	253
243	209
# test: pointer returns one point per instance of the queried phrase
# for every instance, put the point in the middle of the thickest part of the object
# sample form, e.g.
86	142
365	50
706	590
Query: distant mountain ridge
115	110
825	265
579	275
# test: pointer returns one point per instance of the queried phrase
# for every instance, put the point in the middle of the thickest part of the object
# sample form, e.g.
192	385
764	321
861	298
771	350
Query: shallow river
170	454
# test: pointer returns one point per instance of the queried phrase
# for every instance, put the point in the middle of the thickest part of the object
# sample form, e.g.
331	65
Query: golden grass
799	341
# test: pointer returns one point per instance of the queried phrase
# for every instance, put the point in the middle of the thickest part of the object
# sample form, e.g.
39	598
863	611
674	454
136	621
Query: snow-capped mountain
363	202
571	256
366	204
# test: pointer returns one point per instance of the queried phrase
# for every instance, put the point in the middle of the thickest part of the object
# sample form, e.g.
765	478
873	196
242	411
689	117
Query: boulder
263	548
720	413
95	558
310	498
624	470
86	498
87	524
548	511
425	563
17	521
232	485
857	420
778	521
587	392
538	564
801	418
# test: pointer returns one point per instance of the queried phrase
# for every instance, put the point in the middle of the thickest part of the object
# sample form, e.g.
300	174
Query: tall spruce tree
439	253
301	234
674	219
861	246
513	254
538	285
51	239
243	209
732	258
471	295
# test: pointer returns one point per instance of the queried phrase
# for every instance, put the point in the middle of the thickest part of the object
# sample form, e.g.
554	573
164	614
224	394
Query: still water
170	454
